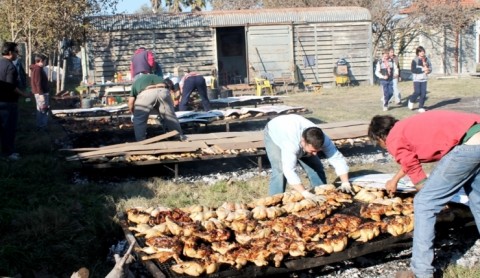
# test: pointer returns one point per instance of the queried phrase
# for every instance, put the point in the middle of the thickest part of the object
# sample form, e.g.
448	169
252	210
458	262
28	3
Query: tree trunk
58	73
64	73
455	53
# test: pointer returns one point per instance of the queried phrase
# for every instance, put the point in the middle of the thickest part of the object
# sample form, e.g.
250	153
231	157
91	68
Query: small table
110	89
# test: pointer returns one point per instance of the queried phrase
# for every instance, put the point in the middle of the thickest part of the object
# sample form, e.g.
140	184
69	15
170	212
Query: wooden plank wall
328	42
195	47
110	52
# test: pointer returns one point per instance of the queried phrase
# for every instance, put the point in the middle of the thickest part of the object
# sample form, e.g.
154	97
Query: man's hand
346	187
310	196
391	186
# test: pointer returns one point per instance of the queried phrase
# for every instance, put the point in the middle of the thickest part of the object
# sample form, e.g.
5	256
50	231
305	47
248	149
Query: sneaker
14	156
385	108
410	105
421	110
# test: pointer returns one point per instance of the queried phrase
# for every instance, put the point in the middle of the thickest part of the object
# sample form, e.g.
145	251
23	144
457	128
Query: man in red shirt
142	62
452	139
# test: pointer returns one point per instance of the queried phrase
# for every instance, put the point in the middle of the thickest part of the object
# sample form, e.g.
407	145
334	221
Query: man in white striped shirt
292	138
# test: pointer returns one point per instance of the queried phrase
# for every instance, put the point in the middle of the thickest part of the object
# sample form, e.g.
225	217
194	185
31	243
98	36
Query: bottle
115	78
119	77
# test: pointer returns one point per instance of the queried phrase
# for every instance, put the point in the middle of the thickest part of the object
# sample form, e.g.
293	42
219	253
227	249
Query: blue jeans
459	168
387	86
43	105
419	90
194	82
8	126
311	164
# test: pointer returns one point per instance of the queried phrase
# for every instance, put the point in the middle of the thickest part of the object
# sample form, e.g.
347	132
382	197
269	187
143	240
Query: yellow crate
340	80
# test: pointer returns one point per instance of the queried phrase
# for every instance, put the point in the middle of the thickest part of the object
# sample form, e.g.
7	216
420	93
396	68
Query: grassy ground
52	226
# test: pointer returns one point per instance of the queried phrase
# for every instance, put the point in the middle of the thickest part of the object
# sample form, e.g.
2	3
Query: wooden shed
237	46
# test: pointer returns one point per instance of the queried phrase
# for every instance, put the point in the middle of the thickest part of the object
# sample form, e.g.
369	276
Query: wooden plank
240	145
172	146
132	144
222	135
244	139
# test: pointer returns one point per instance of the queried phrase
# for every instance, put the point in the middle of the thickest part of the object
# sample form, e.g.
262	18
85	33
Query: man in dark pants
190	82
9	93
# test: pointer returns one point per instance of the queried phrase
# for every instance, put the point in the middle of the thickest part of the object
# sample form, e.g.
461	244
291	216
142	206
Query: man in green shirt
150	91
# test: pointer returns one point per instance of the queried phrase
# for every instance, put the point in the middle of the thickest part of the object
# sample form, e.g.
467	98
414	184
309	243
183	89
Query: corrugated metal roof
228	18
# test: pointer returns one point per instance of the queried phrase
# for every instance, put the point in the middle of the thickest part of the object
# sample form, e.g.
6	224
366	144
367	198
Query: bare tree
235	5
446	16
155	5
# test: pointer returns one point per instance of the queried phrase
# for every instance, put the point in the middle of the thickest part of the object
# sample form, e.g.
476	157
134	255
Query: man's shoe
421	110
410	105
385	108
405	274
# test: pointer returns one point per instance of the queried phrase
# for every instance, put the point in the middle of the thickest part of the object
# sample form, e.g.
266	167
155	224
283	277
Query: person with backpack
385	70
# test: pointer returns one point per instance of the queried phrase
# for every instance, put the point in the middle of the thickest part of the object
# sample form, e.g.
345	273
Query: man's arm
150	59
391	185
131	104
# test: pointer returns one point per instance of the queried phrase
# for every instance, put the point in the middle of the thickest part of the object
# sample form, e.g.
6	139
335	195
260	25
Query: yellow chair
263	84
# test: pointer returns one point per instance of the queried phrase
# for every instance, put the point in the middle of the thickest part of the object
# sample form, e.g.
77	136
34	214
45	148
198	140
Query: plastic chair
263	84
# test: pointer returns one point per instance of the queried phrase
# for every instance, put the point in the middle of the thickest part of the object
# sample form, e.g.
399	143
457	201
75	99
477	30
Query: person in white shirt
292	139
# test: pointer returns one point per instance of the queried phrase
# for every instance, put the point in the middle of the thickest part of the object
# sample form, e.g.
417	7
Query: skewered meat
165	247
314	213
343	222
213	235
196	249
191	268
137	216
366	231
175	214
267	201
298	206
179	228
291	196
212	224
399	225
332	244
223	247
324	189
259	212
240	214
367	196
376	211
203	215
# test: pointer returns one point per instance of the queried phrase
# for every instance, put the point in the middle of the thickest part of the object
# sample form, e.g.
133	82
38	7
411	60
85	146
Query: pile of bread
204	240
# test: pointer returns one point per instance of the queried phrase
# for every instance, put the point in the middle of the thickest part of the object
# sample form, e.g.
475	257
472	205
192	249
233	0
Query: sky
130	6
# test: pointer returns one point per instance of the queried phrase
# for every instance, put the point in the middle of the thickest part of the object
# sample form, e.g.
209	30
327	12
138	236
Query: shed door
270	50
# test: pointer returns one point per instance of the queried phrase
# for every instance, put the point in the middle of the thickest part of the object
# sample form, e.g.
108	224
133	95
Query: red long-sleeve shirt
427	137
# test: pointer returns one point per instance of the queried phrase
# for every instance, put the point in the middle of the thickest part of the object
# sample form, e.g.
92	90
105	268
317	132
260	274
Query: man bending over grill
151	91
452	139
292	138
